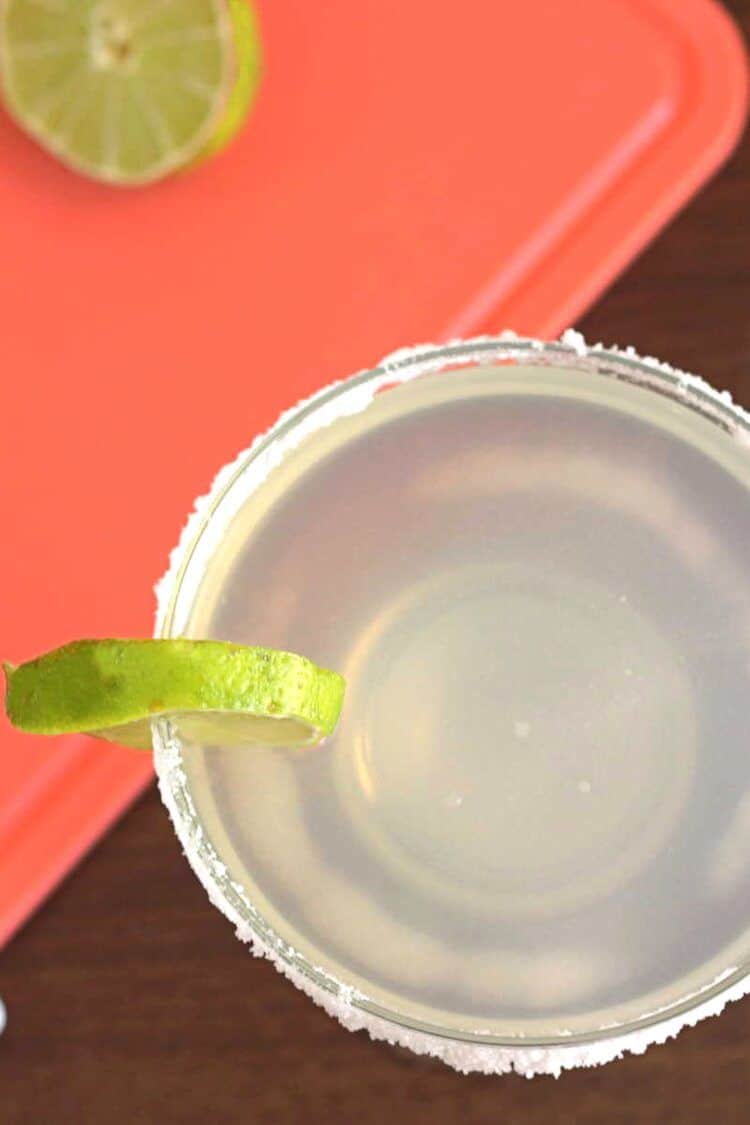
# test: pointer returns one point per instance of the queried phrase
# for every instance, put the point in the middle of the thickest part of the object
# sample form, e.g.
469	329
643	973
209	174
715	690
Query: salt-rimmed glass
682	403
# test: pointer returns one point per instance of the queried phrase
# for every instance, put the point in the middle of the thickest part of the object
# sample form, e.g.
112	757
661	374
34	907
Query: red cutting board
412	171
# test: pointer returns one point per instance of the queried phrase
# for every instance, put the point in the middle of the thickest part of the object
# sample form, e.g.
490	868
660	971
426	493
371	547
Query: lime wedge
212	691
128	91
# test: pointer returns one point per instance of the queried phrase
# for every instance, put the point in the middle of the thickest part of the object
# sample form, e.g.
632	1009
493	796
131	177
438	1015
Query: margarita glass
526	845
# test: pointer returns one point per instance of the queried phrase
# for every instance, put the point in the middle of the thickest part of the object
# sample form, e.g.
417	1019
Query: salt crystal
574	340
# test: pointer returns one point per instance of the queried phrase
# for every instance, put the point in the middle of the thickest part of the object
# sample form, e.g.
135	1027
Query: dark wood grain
130	1000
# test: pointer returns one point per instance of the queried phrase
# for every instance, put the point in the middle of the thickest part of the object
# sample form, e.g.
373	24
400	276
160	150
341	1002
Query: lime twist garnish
128	91
213	692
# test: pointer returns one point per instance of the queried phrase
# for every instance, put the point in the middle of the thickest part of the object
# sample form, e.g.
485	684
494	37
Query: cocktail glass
527	844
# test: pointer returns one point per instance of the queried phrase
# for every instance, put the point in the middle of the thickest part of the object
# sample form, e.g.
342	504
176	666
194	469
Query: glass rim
571	352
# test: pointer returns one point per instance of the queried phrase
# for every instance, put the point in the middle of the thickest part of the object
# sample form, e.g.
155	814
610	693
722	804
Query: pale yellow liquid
535	815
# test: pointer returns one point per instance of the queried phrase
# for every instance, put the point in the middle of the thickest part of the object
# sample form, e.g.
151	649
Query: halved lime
212	691
129	90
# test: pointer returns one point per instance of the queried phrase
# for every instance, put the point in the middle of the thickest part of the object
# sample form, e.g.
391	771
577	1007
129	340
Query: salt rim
353	1009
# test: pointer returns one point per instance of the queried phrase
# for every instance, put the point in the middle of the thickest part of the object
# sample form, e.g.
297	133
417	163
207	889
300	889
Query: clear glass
530	831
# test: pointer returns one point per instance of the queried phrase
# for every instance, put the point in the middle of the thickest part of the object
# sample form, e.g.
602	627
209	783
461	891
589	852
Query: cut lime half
128	91
213	692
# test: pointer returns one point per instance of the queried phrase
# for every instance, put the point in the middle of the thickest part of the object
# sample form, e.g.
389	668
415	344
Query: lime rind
213	691
248	71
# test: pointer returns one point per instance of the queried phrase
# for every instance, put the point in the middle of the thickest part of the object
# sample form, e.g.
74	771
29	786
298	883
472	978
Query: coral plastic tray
411	172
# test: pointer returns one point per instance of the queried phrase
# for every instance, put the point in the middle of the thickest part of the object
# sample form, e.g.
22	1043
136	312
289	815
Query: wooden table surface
129	998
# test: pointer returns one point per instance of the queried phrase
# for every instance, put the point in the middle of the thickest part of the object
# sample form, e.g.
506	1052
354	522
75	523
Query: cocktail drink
528	841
